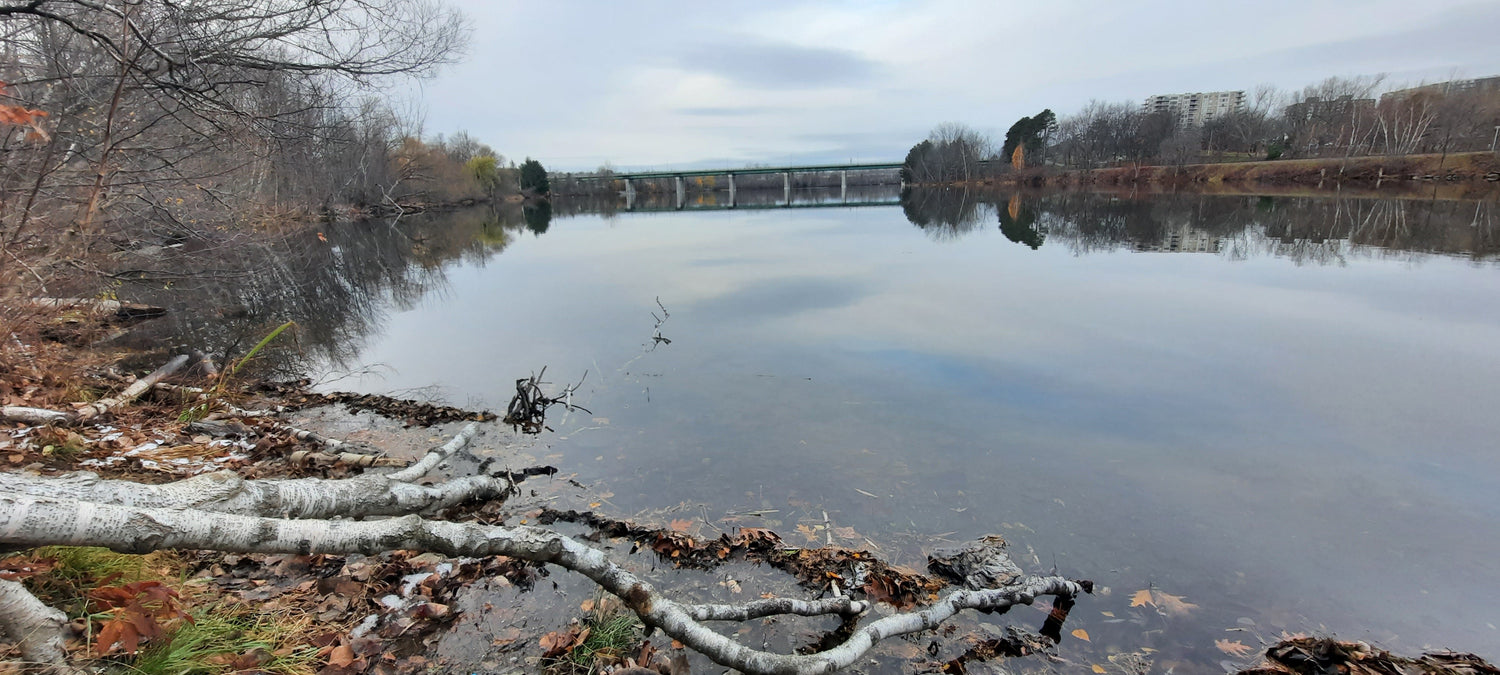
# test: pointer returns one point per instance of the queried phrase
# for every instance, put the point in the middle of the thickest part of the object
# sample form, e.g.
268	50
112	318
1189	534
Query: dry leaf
587	606
1098	668
810	533
1081	634
1233	647
1165	603
682	525
1174	604
341	657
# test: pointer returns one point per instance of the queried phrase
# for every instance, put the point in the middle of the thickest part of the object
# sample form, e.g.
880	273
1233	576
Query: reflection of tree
538	216
1018	224
335	281
943	213
1302	229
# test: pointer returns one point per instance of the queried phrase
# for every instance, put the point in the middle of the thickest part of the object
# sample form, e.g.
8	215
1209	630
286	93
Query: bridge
786	178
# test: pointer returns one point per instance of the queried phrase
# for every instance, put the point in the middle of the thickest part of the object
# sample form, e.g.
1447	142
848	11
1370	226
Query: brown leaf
808	532
341	656
1233	647
1081	634
1141	598
1174	605
682	525
587	606
1097	668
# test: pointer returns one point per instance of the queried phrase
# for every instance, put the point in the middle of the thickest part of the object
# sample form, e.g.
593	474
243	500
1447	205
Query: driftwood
527	411
112	309
96	409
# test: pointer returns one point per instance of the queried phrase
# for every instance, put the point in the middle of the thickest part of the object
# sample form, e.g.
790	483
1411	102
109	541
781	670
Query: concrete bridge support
786	186
731	190
629	194
843	186
681	193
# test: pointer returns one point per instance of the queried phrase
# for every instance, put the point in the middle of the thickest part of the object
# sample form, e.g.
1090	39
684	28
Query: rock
977	565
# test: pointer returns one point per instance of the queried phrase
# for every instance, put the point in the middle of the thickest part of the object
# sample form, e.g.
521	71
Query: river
1277	413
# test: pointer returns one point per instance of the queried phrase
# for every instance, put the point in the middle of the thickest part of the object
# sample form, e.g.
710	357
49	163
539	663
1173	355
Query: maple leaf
1233	647
810	533
1140	598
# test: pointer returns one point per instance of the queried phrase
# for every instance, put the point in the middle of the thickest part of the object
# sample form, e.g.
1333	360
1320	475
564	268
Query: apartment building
1195	109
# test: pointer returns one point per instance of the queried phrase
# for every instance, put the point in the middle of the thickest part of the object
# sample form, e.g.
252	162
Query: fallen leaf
808	532
1098	668
1140	598
681	525
1233	647
1081	634
1174	605
587	606
341	656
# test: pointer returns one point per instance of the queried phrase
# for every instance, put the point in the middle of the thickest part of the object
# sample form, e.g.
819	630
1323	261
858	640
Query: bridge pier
731	189
786	187
629	194
844	186
681	194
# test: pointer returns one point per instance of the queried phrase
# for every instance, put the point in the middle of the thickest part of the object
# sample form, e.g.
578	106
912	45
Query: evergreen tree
534	178
1030	132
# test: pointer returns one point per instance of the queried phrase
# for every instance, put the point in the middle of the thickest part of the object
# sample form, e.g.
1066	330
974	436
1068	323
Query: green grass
77	569
613	636
217	636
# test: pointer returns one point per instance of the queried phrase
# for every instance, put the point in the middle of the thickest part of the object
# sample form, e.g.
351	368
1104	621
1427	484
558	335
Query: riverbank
1469	172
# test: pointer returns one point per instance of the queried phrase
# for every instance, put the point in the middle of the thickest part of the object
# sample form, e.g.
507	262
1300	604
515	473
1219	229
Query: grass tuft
226	639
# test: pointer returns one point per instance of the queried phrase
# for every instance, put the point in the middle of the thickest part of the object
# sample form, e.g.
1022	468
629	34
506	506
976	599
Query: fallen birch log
133	391
38	521
370	494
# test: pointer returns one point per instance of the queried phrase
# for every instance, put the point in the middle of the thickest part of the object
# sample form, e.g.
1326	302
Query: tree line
171	122
1338	117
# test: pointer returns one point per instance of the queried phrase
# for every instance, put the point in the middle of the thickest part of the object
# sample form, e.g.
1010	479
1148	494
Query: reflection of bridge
632	206
785	171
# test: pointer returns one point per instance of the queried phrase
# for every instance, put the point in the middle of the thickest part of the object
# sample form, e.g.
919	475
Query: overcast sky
673	84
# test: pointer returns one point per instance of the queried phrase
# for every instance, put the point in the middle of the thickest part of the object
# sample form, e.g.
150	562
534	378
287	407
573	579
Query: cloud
724	111
779	66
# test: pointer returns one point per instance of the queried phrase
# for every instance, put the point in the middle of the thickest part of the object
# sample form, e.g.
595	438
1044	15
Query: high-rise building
1477	85
1195	109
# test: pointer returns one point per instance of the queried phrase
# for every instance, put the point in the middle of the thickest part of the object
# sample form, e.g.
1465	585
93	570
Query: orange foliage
1018	158
21	116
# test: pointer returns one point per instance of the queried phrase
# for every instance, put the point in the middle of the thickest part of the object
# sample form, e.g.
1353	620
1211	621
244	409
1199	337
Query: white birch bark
36	521
226	492
34	627
134	391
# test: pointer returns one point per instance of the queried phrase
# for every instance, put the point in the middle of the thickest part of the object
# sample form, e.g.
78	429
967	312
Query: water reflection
1312	230
338	281
1271	428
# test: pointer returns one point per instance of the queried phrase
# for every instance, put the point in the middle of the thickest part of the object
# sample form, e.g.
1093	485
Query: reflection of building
1480	85
1197	108
1182	239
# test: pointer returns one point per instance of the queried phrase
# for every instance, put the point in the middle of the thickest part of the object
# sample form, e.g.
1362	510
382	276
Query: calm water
1283	411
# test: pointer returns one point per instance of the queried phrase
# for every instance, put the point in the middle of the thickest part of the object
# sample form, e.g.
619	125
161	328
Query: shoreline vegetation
157	161
1475	172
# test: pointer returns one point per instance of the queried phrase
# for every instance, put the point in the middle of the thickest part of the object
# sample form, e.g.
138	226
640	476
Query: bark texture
36	521
34	627
369	494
